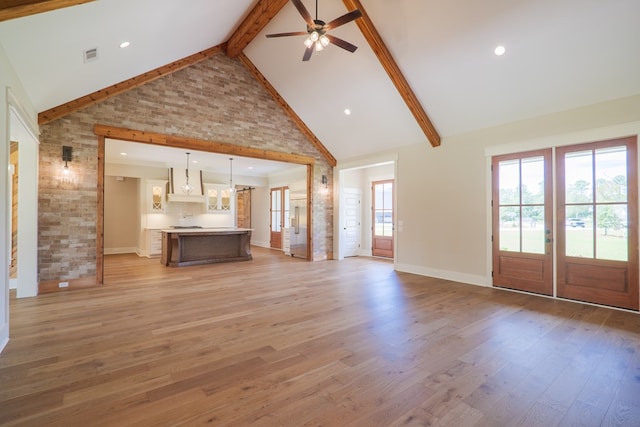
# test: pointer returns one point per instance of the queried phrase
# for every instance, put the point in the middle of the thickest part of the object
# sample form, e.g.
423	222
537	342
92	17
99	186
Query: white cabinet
156	196
286	240
153	242
219	198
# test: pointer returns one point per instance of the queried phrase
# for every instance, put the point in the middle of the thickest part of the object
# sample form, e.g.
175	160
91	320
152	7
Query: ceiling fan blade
295	33
341	43
303	11
347	17
308	52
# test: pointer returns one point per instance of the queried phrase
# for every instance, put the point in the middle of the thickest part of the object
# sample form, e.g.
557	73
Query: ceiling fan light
319	46
314	36
324	40
308	42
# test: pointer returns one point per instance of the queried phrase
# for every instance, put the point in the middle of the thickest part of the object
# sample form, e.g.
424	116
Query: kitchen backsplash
187	214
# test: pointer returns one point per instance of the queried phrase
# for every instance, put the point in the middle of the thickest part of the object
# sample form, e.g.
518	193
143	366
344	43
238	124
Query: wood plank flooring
279	341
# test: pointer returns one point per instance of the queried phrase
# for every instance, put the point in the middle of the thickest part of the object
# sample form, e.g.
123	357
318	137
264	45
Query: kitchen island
191	246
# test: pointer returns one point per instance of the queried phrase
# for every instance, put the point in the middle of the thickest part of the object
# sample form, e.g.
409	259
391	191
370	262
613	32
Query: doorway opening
162	140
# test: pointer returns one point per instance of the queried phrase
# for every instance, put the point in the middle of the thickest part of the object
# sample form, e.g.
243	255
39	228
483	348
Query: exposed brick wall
216	100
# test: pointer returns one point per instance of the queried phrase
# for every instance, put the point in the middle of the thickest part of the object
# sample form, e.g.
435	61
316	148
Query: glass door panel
382	241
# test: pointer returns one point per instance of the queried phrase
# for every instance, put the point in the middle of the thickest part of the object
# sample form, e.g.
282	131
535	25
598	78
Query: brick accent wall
216	100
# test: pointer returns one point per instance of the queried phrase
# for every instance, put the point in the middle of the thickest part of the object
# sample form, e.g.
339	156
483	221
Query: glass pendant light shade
308	42
186	187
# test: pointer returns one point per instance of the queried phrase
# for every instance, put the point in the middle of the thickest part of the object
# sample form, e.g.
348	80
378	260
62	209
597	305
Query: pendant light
186	187
232	189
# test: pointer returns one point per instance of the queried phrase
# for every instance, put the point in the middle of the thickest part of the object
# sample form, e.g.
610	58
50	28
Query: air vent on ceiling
90	55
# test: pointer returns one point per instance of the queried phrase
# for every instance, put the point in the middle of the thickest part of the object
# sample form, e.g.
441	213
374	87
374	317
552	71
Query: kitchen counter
192	246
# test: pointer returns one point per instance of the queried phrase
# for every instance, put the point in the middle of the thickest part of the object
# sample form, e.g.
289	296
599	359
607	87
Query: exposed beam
296	119
257	19
12	9
198	144
386	59
118	88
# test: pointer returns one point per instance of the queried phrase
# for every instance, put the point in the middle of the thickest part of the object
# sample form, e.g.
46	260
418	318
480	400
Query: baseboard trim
52	285
454	276
115	251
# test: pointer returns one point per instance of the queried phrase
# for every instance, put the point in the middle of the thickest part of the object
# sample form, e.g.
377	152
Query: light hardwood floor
281	342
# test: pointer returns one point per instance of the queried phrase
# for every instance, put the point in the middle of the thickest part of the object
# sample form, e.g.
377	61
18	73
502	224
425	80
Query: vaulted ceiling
423	70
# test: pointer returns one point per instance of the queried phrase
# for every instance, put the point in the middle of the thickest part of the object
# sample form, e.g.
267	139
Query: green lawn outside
579	242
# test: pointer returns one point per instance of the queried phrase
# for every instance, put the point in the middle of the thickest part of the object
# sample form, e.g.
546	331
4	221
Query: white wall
121	215
260	216
12	91
443	194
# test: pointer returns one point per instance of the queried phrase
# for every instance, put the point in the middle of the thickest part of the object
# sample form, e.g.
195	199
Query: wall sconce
67	155
325	190
67	179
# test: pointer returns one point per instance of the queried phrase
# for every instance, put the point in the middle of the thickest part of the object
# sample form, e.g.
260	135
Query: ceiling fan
317	30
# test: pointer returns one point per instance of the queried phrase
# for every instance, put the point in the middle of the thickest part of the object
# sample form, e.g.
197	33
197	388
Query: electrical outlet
63	284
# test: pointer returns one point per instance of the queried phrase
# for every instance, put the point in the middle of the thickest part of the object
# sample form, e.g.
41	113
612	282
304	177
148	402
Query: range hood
178	178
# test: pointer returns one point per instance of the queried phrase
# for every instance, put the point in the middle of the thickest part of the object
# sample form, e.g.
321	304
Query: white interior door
352	228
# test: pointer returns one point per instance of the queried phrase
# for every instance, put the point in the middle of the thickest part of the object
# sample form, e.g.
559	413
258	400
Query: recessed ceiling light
124	44
123	154
499	50
347	111
250	167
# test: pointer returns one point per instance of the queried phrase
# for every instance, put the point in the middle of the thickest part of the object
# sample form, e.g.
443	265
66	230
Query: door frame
105	131
553	142
393	217
283	191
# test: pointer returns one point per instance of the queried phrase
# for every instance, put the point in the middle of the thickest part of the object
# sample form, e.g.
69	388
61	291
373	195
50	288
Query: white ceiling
561	54
138	154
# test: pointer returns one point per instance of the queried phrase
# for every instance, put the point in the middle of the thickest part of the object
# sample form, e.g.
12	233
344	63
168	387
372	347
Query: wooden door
279	215
522	222
597	222
383	219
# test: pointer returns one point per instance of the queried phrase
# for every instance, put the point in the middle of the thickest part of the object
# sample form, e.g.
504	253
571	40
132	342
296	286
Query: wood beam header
391	67
198	144
118	88
12	9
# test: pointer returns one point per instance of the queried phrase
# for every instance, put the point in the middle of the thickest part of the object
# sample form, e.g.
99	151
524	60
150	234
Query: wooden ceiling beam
198	144
118	88
391	67
257	19
12	9
288	110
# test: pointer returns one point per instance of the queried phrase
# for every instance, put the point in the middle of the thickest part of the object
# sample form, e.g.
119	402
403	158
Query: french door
596	222
382	210
598	214
279	214
522	222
